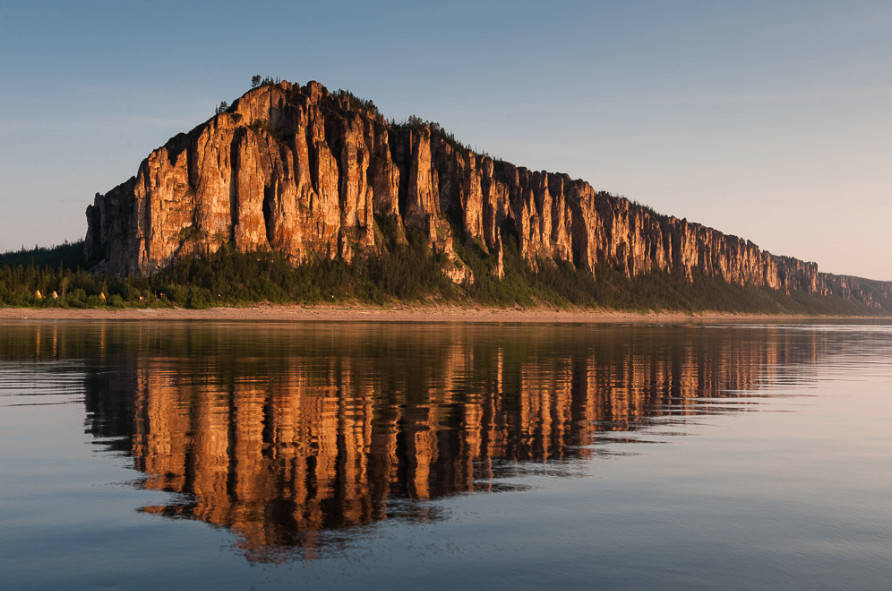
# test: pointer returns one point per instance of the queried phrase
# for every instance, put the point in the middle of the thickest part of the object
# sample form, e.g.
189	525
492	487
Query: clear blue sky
771	121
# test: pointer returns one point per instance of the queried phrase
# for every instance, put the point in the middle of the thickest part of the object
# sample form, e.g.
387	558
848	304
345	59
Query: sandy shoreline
278	313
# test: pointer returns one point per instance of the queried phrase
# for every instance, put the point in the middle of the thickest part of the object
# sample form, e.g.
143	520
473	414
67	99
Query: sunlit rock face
305	172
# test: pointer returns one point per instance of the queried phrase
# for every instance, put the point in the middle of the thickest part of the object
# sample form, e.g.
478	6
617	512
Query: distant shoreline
420	313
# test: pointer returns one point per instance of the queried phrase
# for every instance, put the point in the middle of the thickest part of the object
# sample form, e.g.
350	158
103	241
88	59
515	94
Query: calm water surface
236	456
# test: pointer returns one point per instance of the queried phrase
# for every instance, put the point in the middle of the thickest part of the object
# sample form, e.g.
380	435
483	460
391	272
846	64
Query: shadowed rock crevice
268	206
233	182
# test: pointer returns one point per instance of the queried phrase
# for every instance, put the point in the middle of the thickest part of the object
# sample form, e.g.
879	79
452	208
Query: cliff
310	173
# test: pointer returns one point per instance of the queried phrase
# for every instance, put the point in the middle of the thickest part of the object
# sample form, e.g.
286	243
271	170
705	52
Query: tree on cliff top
257	80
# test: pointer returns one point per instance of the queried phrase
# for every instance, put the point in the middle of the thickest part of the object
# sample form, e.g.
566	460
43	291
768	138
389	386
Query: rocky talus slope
310	173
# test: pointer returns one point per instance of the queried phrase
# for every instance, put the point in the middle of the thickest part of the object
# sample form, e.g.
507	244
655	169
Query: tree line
401	271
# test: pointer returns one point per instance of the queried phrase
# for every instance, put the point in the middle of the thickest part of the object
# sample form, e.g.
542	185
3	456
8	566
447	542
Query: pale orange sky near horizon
768	121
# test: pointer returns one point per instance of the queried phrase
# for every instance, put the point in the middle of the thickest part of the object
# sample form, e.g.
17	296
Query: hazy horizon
770	123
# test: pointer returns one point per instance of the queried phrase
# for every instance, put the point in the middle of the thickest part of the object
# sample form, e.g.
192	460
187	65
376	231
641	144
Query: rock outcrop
310	173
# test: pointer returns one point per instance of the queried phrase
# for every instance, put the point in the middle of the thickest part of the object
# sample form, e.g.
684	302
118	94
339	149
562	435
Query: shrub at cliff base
401	273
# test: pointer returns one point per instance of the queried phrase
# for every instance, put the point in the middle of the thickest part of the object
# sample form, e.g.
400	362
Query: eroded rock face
302	171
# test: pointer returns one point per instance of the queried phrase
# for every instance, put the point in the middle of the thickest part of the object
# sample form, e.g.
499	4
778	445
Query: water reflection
290	435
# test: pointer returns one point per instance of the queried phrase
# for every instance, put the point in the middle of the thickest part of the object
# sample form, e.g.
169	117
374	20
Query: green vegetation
647	208
561	284
68	254
416	123
404	271
409	272
257	80
354	103
262	125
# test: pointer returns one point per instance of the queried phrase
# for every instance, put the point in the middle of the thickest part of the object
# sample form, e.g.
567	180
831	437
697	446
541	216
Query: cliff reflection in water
286	435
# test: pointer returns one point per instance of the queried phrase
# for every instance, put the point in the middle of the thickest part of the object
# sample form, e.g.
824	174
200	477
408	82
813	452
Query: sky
766	120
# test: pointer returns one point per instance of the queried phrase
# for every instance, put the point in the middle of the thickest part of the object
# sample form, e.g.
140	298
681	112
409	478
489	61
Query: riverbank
280	313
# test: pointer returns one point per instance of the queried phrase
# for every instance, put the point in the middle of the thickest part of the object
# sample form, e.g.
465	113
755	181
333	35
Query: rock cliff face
306	172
